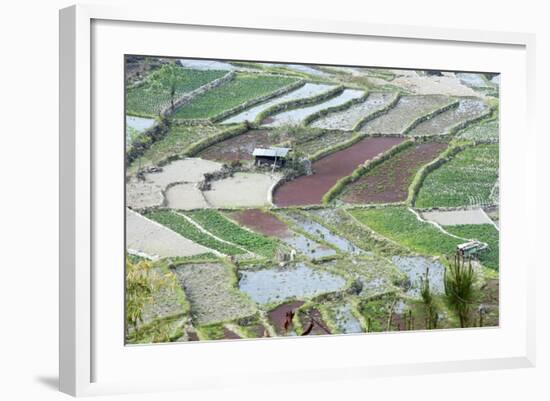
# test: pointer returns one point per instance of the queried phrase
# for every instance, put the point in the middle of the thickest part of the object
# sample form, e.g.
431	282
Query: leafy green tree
460	293
166	78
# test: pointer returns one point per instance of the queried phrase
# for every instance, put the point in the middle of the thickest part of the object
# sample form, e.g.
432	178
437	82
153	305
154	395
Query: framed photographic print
350	196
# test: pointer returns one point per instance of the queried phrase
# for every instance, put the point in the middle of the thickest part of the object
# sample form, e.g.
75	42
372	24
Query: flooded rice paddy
308	90
468	109
407	109
297	281
297	116
347	119
415	268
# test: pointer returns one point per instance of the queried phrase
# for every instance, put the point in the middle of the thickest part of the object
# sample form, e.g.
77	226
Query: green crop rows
148	100
401	225
468	177
481	232
220	226
180	225
241	89
484	132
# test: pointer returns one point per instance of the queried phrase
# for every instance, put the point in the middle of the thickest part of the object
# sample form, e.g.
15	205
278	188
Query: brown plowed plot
240	147
324	141
229	335
277	316
261	222
314	316
309	190
390	181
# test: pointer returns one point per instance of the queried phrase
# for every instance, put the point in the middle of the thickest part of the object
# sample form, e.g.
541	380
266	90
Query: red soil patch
261	222
229	335
277	316
309	190
192	336
240	147
314	316
390	181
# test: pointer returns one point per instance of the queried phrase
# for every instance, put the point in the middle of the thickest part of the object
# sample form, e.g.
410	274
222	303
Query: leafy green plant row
363	169
421	175
467	177
485	233
401	225
214	222
182	226
242	88
148	98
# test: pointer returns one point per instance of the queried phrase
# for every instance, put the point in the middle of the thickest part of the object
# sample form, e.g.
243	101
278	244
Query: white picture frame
91	361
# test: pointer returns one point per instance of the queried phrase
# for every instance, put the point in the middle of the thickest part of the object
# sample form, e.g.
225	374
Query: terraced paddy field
307	190
467	110
298	281
348	118
305	91
405	112
148	98
242	190
401	225
242	88
232	246
212	293
241	147
482	232
174	144
468	179
389	182
325	141
484	132
268	224
216	223
136	126
298	116
146	237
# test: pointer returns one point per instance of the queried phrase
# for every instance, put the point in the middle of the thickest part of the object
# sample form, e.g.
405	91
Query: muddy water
297	116
309	190
415	269
323	233
308	90
309	248
467	109
346	119
137	125
278	284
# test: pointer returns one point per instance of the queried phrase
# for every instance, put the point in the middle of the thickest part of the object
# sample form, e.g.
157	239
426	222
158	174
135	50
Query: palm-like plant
460	294
142	281
428	300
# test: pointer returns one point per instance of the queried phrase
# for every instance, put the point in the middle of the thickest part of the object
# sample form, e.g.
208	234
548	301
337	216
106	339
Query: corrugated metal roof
271	152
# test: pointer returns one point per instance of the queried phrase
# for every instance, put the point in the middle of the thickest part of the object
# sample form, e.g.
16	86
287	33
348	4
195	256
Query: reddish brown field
240	147
389	182
278	315
309	190
261	222
229	335
319	326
